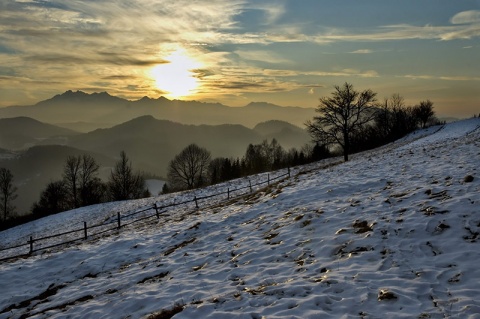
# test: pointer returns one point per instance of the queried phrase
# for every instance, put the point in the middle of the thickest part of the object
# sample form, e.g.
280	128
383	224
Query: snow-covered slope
391	234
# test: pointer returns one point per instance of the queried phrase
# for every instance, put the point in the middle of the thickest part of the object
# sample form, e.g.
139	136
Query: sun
176	77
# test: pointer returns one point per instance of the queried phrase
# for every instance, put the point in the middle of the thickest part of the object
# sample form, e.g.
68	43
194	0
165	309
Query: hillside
285	133
393	233
23	132
152	143
149	143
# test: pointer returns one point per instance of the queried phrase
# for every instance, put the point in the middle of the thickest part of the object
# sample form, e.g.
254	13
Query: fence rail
48	242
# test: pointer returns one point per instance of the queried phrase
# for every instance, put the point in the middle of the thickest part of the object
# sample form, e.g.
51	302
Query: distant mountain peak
277	126
147	117
71	93
104	93
106	110
260	104
80	96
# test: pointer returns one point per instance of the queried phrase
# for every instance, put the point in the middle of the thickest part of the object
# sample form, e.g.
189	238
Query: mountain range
83	112
35	152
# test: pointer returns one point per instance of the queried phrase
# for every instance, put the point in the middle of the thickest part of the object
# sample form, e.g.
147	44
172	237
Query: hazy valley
35	150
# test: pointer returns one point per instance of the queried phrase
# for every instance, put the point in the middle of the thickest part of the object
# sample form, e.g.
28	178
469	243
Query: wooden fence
84	232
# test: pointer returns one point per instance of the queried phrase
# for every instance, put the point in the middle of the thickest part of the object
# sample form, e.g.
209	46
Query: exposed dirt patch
153	279
473	235
468	179
441	227
385	294
197	268
362	226
305	223
270	236
455	278
194	226
65	305
430	211
51	291
442	195
167	313
181	245
343	250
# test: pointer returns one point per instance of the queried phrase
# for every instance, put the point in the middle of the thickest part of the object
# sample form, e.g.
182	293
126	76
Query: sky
287	52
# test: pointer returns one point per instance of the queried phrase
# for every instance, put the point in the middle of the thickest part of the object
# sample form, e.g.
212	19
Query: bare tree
386	116
124	183
71	176
341	115
189	168
89	170
91	187
7	193
215	170
424	112
80	179
272	153
254	160
53	199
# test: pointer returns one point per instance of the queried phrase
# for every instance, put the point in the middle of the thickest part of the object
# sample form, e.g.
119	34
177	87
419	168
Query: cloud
83	25
77	43
346	73
463	34
464	25
443	78
466	17
122	59
273	10
119	77
364	51
262	56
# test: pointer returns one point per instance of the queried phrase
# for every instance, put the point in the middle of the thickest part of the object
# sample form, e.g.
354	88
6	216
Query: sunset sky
287	52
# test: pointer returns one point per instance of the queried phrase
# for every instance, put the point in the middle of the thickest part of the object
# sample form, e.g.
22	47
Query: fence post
196	203
268	181
156	211
250	184
85	229
31	245
289	172
228	193
118	219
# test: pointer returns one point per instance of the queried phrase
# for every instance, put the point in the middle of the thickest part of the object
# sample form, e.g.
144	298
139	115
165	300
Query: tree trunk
346	146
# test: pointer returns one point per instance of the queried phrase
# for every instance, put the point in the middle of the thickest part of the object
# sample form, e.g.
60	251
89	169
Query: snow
391	233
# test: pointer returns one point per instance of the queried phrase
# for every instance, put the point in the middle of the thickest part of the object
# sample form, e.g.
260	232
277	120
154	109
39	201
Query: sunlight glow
176	77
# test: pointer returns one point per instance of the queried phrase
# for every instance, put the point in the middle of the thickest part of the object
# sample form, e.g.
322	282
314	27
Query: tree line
349	121
80	186
194	167
355	121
